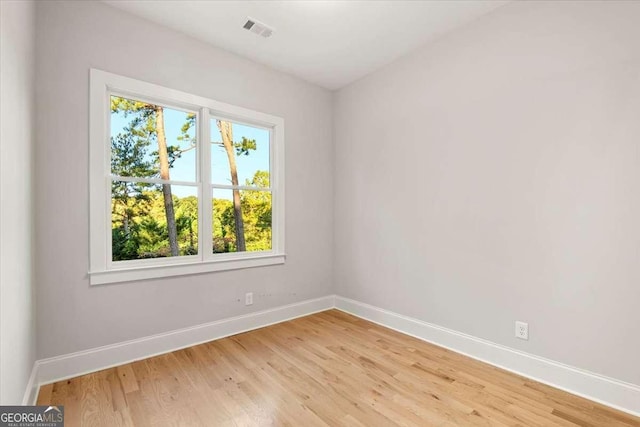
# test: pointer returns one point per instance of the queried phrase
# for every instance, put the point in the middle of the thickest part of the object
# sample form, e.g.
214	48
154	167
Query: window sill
153	272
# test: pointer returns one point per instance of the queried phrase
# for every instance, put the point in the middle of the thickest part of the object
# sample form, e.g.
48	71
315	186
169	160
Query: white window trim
102	269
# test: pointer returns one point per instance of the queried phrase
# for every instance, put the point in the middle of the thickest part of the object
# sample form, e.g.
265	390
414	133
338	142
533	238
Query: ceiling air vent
257	27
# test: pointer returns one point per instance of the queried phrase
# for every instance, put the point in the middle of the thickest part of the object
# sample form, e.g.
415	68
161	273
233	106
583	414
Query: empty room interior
320	213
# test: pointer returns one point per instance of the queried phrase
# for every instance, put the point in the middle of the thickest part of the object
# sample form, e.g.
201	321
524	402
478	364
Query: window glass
251	217
239	154
151	147
143	135
140	225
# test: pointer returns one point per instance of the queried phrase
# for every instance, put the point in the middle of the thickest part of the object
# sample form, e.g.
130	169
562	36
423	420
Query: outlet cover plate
522	330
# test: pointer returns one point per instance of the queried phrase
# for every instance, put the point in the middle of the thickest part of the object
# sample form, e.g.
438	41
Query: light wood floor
326	369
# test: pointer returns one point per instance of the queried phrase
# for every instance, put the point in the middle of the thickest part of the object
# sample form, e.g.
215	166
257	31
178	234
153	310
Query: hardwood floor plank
44	394
327	369
127	378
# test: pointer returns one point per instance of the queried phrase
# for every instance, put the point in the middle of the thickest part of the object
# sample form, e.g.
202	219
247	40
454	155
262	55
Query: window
180	184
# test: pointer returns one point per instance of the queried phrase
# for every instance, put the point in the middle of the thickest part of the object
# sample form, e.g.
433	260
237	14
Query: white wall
494	176
75	36
17	315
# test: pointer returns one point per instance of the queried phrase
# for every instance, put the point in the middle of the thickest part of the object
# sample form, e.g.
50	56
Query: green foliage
224	238
139	230
244	146
187	224
256	212
129	158
130	151
186	129
125	243
129	155
174	151
142	133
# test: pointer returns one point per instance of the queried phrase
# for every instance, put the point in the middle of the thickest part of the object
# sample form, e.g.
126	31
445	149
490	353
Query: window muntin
127	184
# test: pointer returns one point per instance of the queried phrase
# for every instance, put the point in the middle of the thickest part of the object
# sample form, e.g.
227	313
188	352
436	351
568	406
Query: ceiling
329	43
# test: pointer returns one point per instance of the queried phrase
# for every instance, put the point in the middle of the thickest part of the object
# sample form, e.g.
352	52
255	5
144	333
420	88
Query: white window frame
102	269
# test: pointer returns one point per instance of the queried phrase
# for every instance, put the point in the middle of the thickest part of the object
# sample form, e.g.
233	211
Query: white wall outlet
248	298
522	330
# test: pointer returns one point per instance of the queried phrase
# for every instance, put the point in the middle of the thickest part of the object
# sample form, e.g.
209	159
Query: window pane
139	220
255	209
245	146
149	141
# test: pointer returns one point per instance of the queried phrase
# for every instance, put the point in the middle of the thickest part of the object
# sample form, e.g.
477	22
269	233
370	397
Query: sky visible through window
184	168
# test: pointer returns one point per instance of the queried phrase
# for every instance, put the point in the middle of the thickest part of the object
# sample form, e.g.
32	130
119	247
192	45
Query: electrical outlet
522	330
248	298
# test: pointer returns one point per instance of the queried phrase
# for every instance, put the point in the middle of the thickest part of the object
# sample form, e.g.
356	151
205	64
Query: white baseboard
31	393
608	391
71	365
